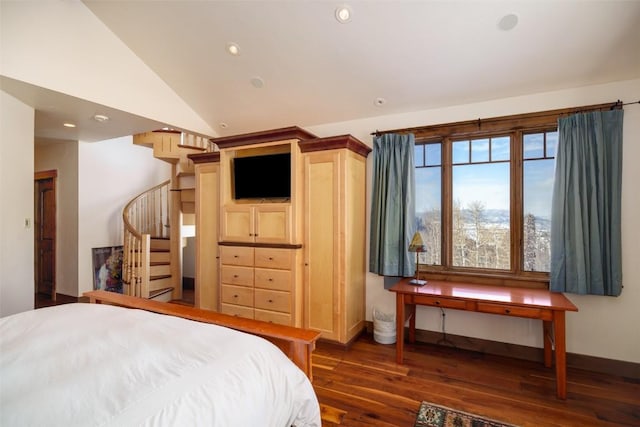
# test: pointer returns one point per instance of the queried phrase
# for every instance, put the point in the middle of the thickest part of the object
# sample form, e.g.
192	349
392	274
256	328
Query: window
428	161
480	194
539	150
483	198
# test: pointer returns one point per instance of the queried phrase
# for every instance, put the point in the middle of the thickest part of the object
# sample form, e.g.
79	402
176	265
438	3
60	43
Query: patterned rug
430	415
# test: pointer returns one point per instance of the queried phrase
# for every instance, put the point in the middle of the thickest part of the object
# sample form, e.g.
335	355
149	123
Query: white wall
62	156
110	174
189	257
62	46
16	196
605	326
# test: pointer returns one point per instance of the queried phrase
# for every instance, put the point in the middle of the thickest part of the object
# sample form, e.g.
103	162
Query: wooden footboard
296	343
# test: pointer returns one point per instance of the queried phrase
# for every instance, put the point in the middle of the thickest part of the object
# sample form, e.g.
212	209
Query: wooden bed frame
296	343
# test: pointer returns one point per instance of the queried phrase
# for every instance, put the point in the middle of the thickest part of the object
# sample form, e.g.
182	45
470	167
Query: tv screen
262	177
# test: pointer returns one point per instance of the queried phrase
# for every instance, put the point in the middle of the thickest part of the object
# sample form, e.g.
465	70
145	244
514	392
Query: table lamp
417	246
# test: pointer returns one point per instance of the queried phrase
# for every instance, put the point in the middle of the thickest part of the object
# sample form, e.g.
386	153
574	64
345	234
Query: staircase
153	220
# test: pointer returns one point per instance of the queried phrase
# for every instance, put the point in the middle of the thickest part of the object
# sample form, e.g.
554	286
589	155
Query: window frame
515	126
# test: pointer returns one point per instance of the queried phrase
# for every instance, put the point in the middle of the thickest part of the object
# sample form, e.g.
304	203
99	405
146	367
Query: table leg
561	355
547	331
399	327
412	323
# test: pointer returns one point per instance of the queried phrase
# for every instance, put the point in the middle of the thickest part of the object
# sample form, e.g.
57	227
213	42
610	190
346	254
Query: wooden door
45	233
322	248
207	212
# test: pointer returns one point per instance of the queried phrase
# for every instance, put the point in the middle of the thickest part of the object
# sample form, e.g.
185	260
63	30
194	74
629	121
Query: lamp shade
417	244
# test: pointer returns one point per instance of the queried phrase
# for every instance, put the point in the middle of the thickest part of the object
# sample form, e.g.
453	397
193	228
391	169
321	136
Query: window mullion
447	204
516	202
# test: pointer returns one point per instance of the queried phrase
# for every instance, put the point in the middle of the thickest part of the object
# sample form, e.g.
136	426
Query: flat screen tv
262	177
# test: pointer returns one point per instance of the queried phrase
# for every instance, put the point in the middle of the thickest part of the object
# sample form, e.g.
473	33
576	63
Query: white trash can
384	327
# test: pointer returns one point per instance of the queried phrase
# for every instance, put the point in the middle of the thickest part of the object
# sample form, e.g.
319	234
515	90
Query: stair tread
160	276
192	147
158	292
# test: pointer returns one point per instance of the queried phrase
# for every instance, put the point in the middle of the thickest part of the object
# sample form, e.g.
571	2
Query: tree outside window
483	200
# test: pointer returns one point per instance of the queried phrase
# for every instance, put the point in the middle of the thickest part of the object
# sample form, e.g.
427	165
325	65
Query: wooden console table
550	307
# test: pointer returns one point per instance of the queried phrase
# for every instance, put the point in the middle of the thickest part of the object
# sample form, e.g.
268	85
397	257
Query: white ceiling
415	55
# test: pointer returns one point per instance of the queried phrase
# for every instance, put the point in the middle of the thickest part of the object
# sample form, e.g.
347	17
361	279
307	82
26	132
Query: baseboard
578	361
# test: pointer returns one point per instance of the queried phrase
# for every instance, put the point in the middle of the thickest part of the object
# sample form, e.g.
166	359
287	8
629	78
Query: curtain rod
610	105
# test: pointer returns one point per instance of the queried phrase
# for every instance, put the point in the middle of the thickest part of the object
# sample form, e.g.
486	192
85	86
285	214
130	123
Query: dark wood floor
366	382
363	386
44	300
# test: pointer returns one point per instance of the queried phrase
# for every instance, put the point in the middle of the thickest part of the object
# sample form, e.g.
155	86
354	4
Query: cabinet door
207	210
322	244
273	224
237	223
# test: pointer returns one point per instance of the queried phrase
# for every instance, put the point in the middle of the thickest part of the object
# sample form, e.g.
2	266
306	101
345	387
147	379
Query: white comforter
99	365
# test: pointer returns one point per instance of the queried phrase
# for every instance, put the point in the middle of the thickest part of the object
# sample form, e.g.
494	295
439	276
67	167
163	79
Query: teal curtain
585	210
392	205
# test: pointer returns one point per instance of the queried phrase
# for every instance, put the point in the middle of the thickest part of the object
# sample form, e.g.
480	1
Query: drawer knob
506	310
270	300
437	302
236	256
235	296
270	279
235	276
270	258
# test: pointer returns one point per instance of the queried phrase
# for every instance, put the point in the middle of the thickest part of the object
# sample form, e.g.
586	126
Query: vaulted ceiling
298	65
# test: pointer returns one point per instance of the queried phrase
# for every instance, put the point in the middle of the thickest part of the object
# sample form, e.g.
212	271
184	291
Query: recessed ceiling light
257	82
233	49
100	118
508	22
69	125
379	102
343	14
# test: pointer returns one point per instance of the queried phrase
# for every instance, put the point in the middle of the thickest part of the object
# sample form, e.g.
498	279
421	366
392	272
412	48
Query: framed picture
107	268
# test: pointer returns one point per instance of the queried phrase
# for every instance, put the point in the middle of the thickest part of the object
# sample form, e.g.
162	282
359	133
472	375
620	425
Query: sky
489	182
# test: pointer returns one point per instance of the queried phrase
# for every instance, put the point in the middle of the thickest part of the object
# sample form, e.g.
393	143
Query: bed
108	365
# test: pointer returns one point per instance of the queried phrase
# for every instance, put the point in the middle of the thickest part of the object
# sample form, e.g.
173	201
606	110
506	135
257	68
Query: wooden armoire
296	260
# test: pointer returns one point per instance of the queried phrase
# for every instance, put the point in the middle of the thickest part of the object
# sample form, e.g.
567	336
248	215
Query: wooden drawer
237	310
273	300
239	295
236	255
509	310
279	280
273	317
441	302
232	275
274	258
